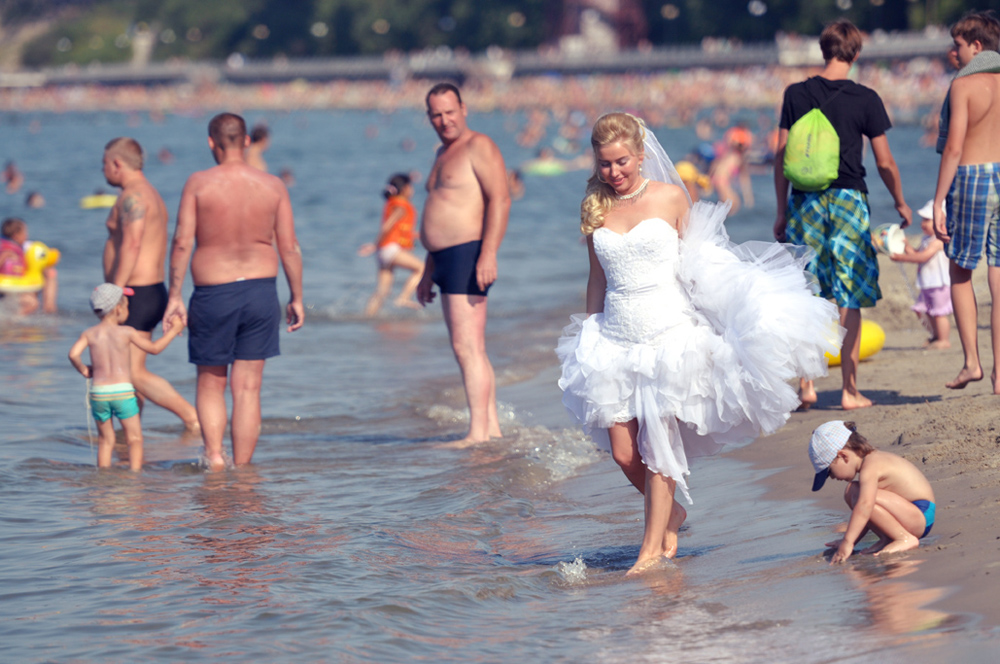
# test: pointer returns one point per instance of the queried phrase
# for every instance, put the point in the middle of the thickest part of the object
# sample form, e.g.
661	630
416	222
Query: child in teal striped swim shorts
112	394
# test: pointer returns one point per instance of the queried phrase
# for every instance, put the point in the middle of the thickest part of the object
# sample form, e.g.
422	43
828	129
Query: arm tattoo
132	210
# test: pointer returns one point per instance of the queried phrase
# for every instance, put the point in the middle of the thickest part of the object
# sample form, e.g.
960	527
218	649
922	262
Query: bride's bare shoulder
665	188
668	193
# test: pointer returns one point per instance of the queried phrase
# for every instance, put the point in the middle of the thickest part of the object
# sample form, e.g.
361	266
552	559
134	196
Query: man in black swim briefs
134	256
464	221
147	306
455	269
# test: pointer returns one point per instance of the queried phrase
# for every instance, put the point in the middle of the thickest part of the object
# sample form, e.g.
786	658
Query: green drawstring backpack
812	153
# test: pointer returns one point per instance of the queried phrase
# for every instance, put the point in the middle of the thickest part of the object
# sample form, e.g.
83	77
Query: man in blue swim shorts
232	217
969	180
465	218
134	254
834	222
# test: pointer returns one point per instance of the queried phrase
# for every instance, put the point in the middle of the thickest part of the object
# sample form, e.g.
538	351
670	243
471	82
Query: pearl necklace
625	198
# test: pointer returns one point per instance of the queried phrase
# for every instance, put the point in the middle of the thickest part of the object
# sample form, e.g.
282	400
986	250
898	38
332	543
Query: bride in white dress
689	341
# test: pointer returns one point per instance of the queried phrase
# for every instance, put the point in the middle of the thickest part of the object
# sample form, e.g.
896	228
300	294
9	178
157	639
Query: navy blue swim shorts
234	321
455	269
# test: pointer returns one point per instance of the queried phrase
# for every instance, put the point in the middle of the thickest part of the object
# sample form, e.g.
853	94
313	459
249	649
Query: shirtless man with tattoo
134	256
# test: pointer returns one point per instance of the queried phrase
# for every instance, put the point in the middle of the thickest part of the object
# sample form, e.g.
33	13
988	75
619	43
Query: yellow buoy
96	201
872	340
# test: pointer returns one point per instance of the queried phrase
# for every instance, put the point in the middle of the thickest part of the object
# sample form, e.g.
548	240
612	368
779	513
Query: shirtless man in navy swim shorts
464	221
232	217
134	256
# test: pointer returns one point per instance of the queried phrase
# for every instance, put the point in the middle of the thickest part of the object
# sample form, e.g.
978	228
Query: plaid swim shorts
973	207
834	224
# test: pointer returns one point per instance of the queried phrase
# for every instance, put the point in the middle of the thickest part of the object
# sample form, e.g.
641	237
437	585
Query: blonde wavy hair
610	128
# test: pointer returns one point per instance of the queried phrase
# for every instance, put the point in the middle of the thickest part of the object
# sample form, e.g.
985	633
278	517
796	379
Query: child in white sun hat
889	496
933	279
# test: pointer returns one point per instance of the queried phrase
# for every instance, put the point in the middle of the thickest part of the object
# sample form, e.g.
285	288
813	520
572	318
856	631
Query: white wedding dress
698	340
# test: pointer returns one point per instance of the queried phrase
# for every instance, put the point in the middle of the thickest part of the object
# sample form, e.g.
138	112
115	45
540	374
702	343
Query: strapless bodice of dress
643	297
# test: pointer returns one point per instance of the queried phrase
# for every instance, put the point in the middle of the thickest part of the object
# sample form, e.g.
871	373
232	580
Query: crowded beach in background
675	97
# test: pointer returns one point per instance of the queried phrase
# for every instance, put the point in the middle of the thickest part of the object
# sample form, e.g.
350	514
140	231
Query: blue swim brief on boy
118	400
146	306
835	224
927	507
973	209
234	321
455	269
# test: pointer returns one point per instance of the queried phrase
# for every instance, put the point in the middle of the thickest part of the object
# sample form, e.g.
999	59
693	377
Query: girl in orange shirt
394	244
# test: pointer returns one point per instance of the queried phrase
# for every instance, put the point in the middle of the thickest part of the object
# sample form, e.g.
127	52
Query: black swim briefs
147	306
234	321
455	269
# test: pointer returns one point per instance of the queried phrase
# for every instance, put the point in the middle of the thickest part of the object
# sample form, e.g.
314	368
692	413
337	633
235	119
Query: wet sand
953	436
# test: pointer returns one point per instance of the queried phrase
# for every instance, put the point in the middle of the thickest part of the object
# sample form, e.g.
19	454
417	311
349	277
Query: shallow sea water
355	537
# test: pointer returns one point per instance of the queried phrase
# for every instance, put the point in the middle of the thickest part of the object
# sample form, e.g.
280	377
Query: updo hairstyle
600	197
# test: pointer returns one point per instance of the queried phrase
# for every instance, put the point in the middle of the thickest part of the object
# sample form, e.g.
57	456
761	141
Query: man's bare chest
452	171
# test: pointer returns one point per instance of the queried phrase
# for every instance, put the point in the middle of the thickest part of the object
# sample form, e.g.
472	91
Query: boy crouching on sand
110	345
890	497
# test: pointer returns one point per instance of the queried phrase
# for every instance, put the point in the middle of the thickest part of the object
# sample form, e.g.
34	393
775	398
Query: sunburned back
110	354
236	208
982	138
899	476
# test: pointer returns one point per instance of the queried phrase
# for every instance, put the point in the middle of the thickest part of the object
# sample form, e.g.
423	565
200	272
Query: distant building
592	26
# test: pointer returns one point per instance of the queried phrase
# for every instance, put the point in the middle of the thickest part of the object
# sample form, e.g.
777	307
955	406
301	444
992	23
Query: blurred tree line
83	31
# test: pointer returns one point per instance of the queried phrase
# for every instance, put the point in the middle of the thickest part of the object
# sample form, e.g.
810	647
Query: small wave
561	452
573	573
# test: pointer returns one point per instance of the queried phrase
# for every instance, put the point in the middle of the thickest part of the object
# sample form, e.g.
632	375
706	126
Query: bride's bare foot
854	401
644	565
964	377
677	516
462	444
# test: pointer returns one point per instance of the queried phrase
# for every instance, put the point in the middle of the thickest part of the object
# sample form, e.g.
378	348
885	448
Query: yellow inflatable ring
96	201
872	340
37	258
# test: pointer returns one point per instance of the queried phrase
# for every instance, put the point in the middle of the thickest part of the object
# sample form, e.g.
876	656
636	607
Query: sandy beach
951	435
